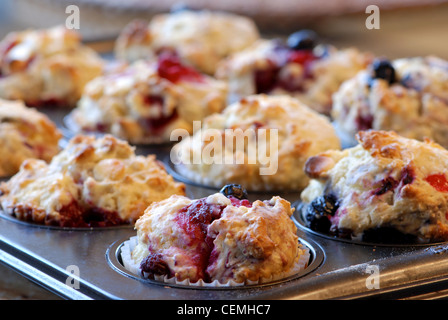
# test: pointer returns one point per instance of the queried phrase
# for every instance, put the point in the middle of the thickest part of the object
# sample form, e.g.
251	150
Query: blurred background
407	28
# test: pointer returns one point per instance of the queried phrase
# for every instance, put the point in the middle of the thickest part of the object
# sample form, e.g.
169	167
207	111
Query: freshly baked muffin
387	189
91	183
261	142
200	38
300	67
24	133
146	101
46	67
408	96
221	239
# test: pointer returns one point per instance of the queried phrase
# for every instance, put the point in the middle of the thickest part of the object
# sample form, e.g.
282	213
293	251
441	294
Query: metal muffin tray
86	264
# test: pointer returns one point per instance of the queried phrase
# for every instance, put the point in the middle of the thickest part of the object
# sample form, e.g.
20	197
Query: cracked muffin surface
276	134
47	67
145	101
25	133
386	189
201	38
93	182
412	101
218	238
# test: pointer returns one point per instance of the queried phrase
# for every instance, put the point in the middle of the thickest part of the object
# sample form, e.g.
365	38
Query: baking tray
85	263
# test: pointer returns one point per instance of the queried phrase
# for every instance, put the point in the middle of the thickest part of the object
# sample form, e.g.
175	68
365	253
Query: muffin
200	38
218	240
261	142
146	101
91	183
300	67
407	95
24	134
387	189
46	67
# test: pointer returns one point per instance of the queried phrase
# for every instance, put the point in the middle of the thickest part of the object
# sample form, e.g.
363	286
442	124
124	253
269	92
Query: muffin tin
85	263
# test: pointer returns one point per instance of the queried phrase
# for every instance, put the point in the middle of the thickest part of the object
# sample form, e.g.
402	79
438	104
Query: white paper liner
130	265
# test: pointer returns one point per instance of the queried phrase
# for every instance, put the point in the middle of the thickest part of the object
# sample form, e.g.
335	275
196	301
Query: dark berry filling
152	99
156	125
194	220
76	216
387	184
364	121
407	176
319	212
300	52
154	264
266	79
50	102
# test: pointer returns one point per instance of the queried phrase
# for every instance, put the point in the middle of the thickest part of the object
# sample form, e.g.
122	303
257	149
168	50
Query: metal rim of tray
317	258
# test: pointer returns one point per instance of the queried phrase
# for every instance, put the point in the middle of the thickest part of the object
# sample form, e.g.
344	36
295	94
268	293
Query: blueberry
234	190
302	40
319	212
383	69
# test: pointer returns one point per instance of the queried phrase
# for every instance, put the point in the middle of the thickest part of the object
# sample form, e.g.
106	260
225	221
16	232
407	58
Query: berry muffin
200	38
408	96
91	183
46	67
24	133
300	67
387	189
261	142
146	101
219	239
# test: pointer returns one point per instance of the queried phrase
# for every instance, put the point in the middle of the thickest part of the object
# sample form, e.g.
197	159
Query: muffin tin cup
337	268
118	249
300	221
199	190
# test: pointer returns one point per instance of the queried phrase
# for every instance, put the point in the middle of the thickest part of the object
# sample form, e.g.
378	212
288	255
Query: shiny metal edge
317	258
